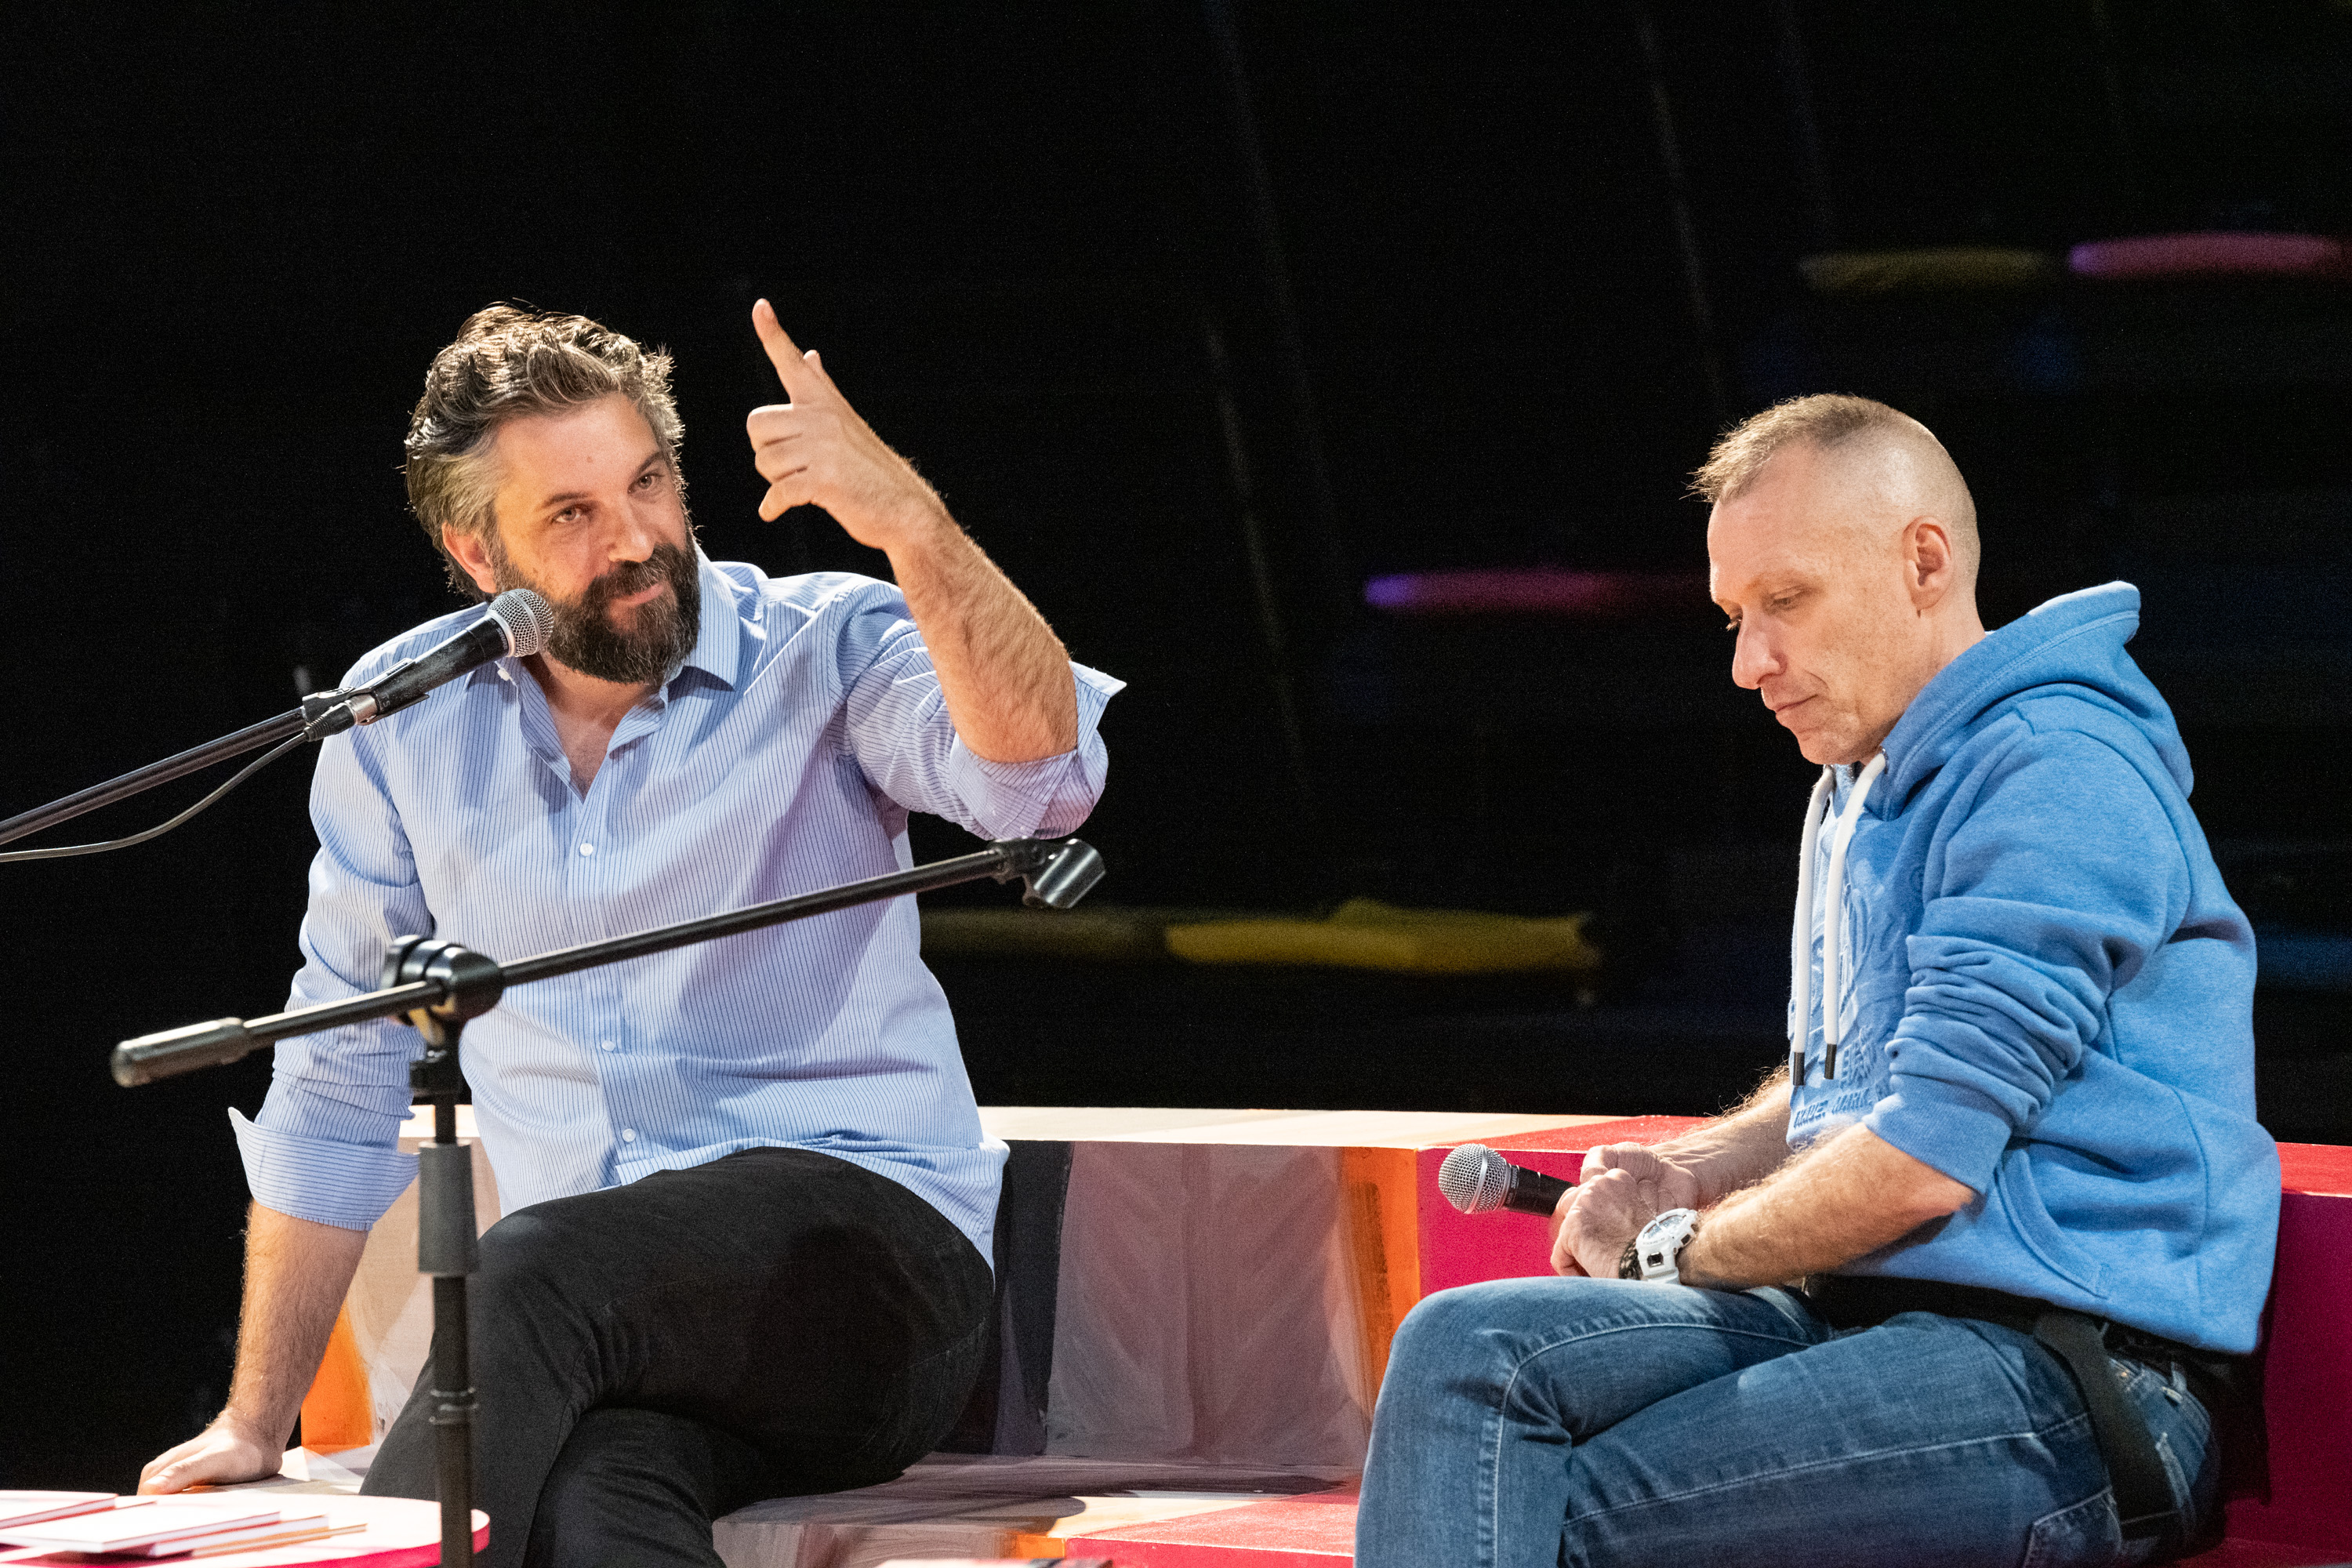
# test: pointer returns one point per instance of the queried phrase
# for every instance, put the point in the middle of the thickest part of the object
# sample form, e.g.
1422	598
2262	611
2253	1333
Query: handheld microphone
1476	1179
517	621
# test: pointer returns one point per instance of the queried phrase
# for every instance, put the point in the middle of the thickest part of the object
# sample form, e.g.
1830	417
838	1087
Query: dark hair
507	363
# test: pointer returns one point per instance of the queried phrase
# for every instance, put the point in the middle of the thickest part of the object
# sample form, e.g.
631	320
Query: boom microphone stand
517	623
438	985
303	722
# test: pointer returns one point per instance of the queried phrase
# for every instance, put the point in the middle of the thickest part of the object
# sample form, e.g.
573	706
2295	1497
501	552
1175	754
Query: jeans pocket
2086	1535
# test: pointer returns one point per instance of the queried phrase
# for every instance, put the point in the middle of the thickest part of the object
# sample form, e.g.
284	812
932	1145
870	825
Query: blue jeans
1585	1422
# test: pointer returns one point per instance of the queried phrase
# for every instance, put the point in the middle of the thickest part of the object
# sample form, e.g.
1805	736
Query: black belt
2088	1348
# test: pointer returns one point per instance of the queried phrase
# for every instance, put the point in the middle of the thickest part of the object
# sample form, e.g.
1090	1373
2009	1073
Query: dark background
1433	263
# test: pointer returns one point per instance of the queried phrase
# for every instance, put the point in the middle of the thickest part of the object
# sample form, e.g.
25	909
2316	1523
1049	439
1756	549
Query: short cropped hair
508	362
1826	420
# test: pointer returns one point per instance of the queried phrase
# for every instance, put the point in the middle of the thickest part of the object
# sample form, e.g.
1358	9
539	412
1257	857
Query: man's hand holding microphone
1620	1188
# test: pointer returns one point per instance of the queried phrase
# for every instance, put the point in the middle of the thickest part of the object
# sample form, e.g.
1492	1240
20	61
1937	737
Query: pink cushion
2159	255
1538	591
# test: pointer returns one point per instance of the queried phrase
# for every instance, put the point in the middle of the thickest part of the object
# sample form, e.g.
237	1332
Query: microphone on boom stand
517	621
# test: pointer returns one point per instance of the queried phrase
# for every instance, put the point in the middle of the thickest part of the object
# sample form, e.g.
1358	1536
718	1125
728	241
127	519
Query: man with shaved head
1970	1279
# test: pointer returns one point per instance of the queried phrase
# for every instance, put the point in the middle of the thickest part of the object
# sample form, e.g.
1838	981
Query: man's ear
1930	567
467	551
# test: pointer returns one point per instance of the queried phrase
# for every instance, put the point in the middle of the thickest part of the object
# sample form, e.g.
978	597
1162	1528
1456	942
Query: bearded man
1968	1281
749	1199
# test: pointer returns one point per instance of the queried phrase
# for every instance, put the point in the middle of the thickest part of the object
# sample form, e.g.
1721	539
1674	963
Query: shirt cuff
344	1185
1957	1129
1047	796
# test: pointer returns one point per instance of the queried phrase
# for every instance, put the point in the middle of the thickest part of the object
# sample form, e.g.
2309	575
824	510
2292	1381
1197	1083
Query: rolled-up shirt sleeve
899	729
325	1145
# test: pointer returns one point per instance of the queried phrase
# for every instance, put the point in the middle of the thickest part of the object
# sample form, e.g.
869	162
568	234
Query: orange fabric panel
1385	1236
337	1413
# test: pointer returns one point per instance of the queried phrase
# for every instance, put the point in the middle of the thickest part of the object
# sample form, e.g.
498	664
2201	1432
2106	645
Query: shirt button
610	1047
628	1134
587	849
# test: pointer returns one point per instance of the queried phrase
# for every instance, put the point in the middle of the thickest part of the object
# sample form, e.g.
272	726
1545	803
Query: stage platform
1194	1313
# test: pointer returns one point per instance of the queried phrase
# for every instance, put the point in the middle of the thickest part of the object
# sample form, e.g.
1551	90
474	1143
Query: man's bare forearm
1851	1194
296	1273
1005	676
1738	1150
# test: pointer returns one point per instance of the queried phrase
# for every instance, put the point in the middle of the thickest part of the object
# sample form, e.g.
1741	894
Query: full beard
661	632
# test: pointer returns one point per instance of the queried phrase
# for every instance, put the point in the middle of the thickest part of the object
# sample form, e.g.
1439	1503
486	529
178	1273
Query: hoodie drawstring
1801	942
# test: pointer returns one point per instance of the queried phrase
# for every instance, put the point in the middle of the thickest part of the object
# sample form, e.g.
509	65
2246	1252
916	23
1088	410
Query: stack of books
202	1525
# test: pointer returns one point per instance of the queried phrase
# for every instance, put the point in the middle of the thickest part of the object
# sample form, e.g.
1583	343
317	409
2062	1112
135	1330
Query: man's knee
1540	1305
1440	1325
525	1254
1488	1326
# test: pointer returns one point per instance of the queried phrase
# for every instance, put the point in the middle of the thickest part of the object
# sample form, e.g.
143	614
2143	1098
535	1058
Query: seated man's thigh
780	1294
1923	1441
1580	1354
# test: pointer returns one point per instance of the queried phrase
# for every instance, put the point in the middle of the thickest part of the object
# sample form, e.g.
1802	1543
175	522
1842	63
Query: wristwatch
1651	1255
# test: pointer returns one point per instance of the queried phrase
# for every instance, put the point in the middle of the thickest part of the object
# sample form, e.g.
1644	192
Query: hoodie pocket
2020	1199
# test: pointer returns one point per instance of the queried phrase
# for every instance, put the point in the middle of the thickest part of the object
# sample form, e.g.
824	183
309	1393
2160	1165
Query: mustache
666	563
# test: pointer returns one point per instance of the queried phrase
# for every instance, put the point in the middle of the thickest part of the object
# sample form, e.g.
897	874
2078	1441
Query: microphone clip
326	713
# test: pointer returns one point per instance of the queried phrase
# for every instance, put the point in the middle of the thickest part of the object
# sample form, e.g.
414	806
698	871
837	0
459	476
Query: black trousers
773	1323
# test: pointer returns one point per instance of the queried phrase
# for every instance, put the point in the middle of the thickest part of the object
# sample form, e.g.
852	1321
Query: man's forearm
1005	676
1852	1194
296	1273
1738	1150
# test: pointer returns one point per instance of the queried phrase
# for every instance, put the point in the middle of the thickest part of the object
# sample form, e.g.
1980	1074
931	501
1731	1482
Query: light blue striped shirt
782	757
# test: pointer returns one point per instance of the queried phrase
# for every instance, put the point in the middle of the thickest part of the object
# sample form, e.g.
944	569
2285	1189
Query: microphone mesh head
528	620
1474	1178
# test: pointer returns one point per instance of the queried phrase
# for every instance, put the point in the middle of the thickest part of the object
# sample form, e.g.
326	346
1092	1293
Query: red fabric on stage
1315	1531
2308	1369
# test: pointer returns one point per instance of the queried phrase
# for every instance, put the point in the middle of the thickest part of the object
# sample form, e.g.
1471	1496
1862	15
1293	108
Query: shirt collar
718	650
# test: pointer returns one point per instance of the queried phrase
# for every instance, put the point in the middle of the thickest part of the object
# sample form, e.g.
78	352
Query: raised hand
1003	674
815	450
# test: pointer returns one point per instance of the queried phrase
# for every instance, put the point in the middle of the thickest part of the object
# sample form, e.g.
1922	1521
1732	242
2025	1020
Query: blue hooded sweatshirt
2043	989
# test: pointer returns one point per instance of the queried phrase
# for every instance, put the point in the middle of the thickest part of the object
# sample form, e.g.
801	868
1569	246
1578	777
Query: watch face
1673	1222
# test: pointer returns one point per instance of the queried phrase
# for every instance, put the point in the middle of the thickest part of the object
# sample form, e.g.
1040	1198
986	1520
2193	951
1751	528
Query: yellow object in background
1098	933
1364	934
1939	270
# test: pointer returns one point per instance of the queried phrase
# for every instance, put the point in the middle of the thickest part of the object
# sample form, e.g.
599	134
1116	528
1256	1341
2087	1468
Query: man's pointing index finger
799	381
